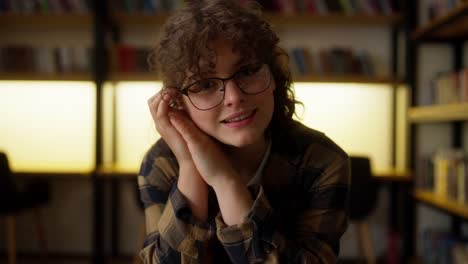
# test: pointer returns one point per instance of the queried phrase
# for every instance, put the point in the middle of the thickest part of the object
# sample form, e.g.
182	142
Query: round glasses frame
185	90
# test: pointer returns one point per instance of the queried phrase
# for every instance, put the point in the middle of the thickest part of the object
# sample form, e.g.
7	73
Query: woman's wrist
194	189
234	200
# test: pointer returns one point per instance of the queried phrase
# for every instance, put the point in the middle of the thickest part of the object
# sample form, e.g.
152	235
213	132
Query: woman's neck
247	159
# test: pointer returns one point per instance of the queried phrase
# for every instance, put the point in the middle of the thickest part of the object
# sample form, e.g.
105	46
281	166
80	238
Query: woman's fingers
160	110
209	160
154	103
189	131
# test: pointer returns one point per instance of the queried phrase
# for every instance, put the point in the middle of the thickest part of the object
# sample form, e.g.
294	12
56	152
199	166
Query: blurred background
385	79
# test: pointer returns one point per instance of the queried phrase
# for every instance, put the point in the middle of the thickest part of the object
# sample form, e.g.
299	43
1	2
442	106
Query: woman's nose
232	93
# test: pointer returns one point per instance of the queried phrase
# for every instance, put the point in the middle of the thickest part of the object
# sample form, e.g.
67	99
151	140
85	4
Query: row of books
446	174
46	6
146	6
437	8
127	58
333	61
449	87
441	247
323	7
22	58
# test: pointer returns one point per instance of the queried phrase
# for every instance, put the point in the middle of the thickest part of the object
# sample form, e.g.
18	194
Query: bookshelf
280	21
441	203
452	26
49	21
439	113
85	22
346	79
57	23
37	76
136	76
277	20
450	30
64	22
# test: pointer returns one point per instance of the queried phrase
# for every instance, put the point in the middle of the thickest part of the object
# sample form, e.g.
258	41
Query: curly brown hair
184	47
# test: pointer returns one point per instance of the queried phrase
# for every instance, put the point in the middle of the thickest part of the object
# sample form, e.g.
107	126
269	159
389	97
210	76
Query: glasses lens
253	79
206	94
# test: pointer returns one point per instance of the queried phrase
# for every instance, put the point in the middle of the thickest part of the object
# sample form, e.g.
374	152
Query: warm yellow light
48	126
356	116
402	95
135	127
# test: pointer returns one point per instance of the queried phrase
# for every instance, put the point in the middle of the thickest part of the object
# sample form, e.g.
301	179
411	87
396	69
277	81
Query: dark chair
363	200
13	201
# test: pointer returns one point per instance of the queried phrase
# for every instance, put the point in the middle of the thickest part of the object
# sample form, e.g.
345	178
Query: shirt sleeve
172	231
317	230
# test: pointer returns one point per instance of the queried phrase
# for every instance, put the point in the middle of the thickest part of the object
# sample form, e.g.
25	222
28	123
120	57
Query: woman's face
240	119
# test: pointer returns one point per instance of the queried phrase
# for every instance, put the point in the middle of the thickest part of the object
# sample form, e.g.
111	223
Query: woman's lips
240	120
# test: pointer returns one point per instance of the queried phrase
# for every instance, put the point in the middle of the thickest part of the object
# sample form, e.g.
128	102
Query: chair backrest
7	185
364	188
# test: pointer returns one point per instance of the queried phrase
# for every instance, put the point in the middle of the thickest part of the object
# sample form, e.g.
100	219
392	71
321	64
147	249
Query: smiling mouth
240	118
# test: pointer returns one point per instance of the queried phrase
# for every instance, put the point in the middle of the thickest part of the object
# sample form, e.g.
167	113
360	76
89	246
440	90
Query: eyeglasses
208	93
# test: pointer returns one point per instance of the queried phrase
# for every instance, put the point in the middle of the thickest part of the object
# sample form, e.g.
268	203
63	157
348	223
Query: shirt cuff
179	228
254	236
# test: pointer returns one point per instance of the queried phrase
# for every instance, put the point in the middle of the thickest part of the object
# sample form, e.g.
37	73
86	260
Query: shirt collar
258	174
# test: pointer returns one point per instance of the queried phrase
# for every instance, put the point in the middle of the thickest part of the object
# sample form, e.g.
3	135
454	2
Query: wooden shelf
117	171
276	19
439	113
8	20
125	19
133	76
346	79
53	175
115	76
333	19
34	76
453	25
442	203
393	175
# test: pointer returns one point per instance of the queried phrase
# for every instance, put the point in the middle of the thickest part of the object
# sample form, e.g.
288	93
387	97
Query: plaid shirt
298	216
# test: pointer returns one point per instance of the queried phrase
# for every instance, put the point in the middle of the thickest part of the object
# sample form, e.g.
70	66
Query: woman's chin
240	141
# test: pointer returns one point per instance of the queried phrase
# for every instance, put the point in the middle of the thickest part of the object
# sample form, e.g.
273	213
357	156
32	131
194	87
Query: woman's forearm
234	201
195	190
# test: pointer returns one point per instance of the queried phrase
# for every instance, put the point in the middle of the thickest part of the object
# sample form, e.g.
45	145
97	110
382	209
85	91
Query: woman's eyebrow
243	61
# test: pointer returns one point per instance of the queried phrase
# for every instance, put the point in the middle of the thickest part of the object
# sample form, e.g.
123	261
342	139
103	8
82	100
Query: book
300	62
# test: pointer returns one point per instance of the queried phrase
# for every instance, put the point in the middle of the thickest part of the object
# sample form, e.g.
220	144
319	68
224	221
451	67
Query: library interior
387	80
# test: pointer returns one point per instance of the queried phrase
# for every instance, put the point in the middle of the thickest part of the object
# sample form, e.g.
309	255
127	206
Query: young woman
234	179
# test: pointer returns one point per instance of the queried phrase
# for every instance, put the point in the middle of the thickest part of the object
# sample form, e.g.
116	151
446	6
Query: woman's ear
177	103
174	96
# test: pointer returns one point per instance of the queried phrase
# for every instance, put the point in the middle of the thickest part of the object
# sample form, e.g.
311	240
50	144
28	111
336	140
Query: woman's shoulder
160	149
310	146
160	155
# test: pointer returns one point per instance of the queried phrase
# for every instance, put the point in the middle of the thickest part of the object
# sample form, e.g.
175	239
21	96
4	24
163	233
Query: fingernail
166	97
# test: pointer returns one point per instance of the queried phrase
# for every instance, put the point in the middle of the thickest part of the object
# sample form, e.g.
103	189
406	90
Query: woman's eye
203	86
249	71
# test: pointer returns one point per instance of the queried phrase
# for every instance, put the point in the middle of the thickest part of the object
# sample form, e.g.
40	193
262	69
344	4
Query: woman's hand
190	183
210	161
160	110
216	169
